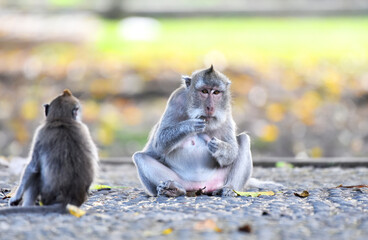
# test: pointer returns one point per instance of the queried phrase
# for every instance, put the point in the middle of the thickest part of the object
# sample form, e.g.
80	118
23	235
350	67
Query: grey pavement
128	213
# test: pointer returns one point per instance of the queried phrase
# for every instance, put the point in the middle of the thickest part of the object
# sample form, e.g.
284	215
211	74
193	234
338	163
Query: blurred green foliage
299	84
261	39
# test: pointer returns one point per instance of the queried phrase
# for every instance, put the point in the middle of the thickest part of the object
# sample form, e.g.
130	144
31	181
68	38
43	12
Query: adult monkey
194	145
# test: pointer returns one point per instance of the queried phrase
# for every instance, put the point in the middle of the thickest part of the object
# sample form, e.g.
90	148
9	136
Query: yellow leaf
167	231
270	133
275	112
316	152
305	107
207	224
29	110
75	211
99	187
105	135
254	194
332	83
91	110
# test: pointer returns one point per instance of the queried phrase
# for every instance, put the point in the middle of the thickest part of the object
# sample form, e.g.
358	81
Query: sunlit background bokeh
299	69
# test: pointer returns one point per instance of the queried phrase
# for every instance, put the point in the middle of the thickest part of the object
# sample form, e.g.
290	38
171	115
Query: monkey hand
221	151
213	145
196	125
14	201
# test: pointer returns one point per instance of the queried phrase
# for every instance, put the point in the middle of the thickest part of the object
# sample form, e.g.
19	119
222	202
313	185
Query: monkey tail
256	183
55	208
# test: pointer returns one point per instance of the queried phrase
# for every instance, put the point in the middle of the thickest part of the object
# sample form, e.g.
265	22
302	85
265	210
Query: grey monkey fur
198	112
63	161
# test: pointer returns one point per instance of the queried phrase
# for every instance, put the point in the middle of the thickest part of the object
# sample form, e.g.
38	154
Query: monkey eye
205	91
216	92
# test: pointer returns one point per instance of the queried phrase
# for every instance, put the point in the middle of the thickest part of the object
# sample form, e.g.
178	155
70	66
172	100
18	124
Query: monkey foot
170	189
224	192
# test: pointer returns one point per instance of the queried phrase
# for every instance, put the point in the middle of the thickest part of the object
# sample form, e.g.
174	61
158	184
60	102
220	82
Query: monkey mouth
207	118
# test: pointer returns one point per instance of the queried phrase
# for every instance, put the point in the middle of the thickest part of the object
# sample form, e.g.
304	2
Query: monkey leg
156	178
29	182
241	169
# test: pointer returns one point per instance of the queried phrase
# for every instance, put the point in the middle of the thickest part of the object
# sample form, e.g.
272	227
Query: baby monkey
63	161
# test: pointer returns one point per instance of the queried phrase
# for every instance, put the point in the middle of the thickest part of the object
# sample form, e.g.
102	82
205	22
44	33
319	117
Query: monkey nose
210	111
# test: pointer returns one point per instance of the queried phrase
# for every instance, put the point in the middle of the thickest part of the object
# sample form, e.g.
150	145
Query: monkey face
209	96
208	103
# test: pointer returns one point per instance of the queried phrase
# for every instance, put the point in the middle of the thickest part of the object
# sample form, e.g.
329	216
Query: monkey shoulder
178	98
63	132
176	107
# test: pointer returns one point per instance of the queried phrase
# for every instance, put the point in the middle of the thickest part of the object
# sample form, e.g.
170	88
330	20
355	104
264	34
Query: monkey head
65	107
208	96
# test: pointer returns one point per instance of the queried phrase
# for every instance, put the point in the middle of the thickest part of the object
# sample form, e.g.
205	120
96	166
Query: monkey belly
192	161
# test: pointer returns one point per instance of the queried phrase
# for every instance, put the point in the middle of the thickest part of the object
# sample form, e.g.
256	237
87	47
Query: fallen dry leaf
265	213
167	231
75	211
150	233
304	194
7	193
199	192
254	194
353	186
245	228
206	225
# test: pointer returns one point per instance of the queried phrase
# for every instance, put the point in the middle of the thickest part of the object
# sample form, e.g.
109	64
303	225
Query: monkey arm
174	125
29	177
169	137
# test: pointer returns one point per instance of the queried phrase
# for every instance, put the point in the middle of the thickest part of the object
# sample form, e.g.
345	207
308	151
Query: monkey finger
200	127
212	146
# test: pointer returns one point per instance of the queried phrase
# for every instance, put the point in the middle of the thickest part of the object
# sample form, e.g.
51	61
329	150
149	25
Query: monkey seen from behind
63	161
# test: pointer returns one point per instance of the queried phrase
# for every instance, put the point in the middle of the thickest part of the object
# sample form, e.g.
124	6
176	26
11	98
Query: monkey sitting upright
194	145
63	161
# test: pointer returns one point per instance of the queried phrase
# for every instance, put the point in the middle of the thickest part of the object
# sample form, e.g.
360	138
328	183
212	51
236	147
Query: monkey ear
187	80
75	112
46	106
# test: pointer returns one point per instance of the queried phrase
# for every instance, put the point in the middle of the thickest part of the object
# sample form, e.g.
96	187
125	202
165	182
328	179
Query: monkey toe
170	189
224	192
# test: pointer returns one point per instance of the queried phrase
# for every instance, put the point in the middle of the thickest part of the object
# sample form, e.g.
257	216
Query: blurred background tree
299	68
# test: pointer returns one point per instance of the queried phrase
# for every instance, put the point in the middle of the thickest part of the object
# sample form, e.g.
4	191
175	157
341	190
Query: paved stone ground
128	213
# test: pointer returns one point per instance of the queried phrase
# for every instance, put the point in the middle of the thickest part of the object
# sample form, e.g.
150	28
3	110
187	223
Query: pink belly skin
216	182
